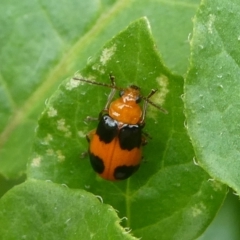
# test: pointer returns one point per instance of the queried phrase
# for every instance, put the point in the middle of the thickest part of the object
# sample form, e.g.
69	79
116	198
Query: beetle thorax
125	109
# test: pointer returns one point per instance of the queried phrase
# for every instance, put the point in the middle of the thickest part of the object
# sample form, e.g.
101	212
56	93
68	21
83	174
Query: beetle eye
121	93
138	99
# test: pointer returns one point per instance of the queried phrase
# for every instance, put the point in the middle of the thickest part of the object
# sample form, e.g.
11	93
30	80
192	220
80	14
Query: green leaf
43	210
169	196
42	43
229	217
212	90
34	38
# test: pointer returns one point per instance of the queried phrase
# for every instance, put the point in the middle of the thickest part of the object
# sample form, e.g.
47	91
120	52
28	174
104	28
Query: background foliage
42	44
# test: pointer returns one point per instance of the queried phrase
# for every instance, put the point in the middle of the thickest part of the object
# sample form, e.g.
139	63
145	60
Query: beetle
115	146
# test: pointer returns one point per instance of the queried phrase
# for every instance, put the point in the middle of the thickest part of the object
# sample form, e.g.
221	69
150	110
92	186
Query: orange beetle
115	146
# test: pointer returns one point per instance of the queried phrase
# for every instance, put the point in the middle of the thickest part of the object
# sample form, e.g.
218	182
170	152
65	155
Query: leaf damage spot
50	152
36	161
98	67
198	209
72	84
81	134
107	53
217	186
61	126
47	139
162	93
52	112
210	23
60	156
160	96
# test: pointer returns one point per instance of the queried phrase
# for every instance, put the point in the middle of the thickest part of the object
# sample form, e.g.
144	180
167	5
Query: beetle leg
153	91
112	93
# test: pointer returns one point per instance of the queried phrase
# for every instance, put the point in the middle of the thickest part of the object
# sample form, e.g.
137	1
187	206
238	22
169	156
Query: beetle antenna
157	106
112	85
153	91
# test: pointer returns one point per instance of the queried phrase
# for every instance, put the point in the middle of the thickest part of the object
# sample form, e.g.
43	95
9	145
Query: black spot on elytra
130	137
107	129
97	163
124	172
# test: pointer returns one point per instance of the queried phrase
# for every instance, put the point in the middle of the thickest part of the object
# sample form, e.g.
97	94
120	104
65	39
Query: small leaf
168	189
43	210
212	90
